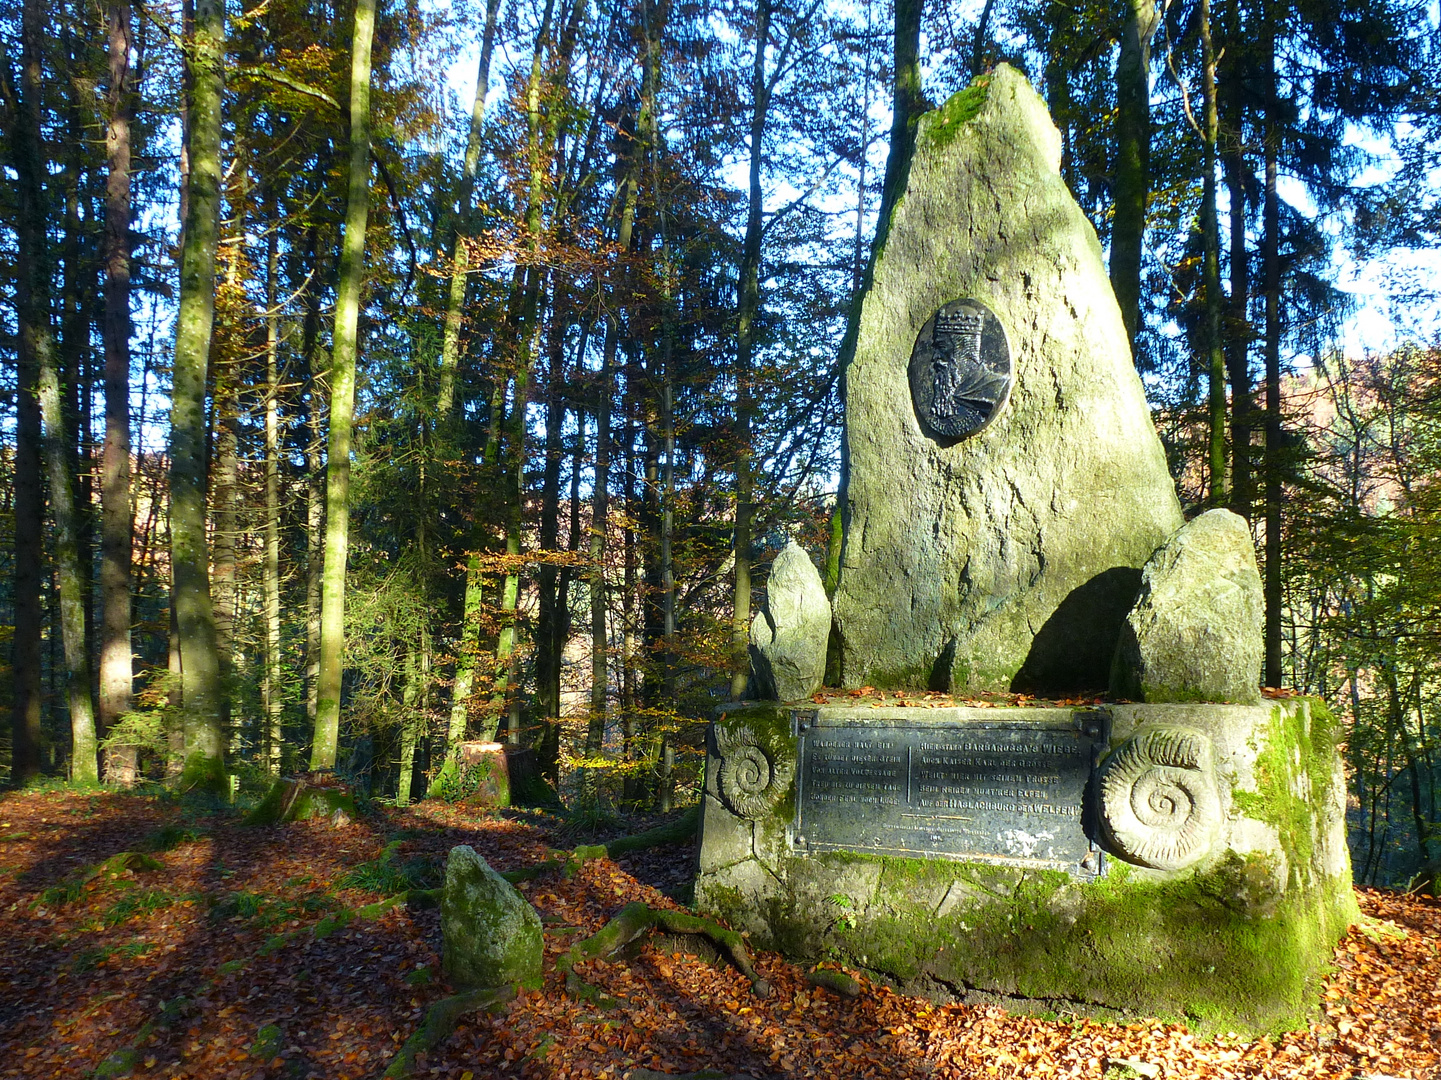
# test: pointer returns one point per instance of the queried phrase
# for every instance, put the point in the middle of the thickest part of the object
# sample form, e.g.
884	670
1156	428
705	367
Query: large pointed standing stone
789	636
1006	482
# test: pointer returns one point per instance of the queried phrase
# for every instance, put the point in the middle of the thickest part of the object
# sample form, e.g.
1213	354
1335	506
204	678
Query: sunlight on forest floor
263	953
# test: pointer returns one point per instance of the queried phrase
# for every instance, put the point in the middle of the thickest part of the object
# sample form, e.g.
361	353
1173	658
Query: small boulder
789	636
1194	633
490	935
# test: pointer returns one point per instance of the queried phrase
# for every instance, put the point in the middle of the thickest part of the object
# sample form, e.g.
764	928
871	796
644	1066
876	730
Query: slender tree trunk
117	514
748	309
600	497
40	360
528	325
1238	331
225	495
342	398
1271	256
1219	494
1133	174
60	466
548	645
314	496
455	295
189	554
271	696
36	336
409	727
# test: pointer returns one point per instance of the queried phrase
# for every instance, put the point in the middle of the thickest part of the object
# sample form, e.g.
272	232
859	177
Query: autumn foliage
269	953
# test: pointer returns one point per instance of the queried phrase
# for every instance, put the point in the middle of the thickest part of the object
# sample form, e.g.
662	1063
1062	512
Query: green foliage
388	875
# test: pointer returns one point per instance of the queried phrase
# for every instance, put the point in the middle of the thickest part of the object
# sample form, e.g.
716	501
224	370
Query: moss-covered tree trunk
342	398
199	654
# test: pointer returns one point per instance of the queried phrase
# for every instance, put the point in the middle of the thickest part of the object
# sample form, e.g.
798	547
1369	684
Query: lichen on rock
789	635
1007	560
1195	631
490	935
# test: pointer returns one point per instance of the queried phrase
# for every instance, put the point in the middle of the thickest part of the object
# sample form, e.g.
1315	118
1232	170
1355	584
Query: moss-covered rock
490	935
299	798
1195	632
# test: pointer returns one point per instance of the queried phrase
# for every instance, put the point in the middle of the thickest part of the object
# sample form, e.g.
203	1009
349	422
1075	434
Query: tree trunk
1218	495
35	338
189	555
314	494
271	696
117	515
1271	257
1133	175
342	399
455	296
619	285
748	308
1238	331
84	767
528	328
34	301
225	494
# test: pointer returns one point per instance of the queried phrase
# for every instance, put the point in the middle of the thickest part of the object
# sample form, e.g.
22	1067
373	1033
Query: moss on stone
202	773
940	126
491	936
1190	949
1295	760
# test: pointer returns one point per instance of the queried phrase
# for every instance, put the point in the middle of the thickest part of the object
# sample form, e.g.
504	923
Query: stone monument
1177	852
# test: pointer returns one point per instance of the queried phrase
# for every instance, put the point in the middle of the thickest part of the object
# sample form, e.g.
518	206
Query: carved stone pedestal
1182	861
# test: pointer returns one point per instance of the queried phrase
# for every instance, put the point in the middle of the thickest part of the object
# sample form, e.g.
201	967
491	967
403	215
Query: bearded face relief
960	371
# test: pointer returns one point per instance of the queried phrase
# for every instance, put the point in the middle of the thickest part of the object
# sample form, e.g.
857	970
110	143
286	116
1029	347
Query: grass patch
388	875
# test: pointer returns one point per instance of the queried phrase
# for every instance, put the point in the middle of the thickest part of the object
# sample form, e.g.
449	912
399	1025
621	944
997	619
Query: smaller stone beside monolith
1194	633
490	935
789	636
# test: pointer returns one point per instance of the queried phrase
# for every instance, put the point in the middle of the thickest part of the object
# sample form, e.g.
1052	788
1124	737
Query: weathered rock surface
788	637
1010	558
1195	633
490	935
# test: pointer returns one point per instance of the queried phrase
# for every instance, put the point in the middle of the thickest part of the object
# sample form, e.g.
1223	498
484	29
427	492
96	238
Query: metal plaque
960	370
1017	793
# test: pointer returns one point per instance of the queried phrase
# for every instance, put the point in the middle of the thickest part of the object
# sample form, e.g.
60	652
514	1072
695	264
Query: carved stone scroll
1159	802
751	780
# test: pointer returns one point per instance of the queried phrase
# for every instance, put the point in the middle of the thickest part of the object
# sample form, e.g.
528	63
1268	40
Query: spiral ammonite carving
1159	802
751	781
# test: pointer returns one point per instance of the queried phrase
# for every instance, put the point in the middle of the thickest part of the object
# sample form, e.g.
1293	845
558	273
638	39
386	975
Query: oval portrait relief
960	371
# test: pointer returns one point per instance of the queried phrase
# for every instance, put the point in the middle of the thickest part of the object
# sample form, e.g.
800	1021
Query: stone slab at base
1217	882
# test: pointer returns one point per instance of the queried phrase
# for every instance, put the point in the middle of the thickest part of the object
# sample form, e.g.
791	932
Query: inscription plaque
1018	793
960	370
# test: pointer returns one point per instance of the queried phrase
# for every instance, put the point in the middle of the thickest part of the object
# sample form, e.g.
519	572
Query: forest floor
262	952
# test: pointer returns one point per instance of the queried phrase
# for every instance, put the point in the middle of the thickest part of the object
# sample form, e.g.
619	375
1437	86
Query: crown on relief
960	324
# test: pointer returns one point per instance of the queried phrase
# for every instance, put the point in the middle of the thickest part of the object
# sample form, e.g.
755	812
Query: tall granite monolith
1005	479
